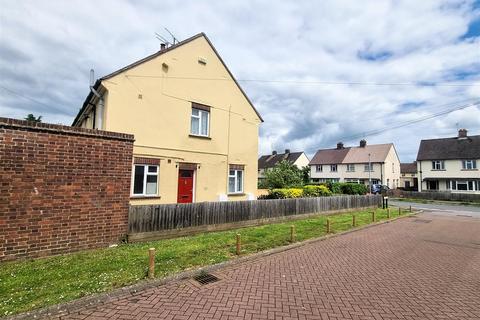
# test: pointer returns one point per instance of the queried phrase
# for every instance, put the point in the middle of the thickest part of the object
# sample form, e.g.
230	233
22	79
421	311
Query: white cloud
47	49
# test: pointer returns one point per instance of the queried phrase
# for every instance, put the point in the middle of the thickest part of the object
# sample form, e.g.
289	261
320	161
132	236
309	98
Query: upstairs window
235	179
319	168
438	165
350	167
333	168
369	167
200	120
469	164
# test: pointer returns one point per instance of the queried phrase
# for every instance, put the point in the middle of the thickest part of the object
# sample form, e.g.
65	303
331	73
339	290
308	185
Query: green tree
31	117
284	175
306	174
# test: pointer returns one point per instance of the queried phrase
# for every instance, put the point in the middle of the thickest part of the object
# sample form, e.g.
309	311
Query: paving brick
399	270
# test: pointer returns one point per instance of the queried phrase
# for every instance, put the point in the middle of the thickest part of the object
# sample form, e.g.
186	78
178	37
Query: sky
319	72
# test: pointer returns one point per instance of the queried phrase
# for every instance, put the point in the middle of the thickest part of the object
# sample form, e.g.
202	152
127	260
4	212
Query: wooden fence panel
152	218
437	195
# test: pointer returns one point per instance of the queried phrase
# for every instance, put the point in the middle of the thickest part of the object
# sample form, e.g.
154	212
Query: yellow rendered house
196	131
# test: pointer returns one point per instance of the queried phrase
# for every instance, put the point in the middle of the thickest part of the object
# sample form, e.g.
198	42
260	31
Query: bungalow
196	131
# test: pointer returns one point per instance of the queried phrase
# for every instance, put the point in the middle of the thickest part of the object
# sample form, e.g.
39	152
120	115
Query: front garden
32	284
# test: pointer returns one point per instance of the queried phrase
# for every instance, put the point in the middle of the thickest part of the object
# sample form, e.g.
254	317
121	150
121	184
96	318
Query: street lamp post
369	175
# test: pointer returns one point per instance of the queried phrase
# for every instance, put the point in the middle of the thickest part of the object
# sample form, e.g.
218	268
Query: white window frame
469	164
350	167
318	168
333	166
438	165
145	175
235	176
201	114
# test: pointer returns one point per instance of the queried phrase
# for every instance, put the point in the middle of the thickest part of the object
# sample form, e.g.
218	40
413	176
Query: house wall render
62	189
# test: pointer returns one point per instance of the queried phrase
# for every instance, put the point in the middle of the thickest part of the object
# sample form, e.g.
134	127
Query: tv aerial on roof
162	39
175	40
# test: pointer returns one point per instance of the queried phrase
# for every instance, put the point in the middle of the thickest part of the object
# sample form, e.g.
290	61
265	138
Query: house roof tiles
450	148
408	167
378	153
269	161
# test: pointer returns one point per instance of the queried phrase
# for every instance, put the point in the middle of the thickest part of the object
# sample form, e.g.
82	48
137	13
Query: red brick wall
62	189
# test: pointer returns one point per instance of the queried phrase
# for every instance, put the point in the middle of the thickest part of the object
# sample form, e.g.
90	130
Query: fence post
292	233
328	226
238	245
151	263
354	220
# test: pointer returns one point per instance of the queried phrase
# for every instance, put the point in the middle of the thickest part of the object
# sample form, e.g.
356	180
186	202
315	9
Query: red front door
185	186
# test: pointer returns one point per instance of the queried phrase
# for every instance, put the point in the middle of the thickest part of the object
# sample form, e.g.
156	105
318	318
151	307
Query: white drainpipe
100	105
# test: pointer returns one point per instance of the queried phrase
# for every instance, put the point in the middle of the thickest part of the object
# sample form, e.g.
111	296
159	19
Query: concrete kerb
65	308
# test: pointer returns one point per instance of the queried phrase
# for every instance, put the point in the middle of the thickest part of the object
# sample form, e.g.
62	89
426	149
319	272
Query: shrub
354	188
286	193
284	175
335	187
316	191
347	188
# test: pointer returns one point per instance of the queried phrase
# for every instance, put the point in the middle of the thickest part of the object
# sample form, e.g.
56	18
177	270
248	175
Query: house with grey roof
450	164
269	161
408	176
377	162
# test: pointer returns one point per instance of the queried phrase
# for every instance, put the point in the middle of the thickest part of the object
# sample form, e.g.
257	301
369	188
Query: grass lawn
31	284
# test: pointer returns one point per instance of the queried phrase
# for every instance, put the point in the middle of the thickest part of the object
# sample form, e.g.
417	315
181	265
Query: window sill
468	170
438	170
144	197
199	137
236	194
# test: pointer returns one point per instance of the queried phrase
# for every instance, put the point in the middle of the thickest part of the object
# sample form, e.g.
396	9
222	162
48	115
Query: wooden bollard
354	220
329	227
151	263
238	244
410	208
373	216
388	213
292	233
399	211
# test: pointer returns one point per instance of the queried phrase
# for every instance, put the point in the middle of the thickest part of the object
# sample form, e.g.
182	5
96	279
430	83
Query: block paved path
424	267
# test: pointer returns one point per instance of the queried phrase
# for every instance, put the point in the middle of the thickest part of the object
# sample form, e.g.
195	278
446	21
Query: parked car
379	188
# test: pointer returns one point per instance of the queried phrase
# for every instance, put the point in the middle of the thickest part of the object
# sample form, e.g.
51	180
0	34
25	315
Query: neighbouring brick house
62	189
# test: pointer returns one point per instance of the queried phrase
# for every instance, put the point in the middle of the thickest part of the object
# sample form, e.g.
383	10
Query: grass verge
32	284
447	202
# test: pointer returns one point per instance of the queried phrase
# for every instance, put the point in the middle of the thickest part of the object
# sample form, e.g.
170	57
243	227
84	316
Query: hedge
316	191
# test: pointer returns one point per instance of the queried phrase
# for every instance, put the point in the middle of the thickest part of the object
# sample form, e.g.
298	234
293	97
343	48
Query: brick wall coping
61	129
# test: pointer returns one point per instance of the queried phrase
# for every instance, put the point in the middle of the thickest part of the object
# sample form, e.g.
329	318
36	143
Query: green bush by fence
322	190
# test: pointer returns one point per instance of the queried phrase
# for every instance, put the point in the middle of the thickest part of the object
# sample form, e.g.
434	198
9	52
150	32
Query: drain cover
205	278
422	221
